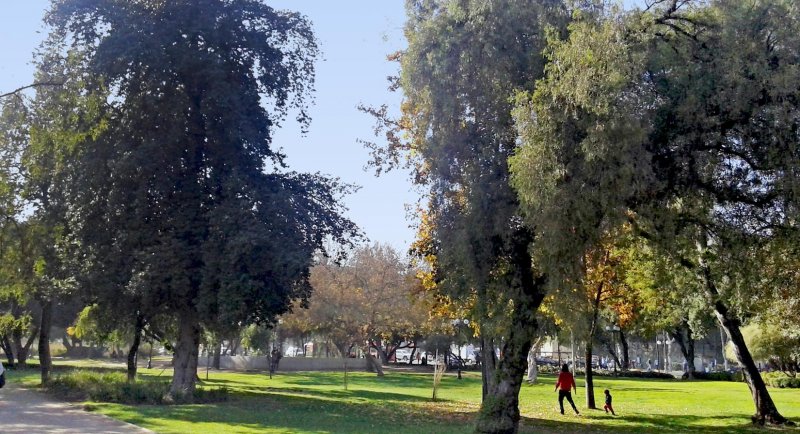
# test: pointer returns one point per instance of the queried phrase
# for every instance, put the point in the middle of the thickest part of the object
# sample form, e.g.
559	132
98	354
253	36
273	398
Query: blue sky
355	37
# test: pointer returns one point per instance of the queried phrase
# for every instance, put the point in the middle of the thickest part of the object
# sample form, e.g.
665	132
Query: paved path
31	412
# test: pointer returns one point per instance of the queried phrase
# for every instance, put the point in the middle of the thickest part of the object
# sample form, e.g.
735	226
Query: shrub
81	385
714	376
781	380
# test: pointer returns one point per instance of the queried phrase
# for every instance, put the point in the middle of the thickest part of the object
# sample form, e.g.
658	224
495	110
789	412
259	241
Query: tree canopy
680	120
179	203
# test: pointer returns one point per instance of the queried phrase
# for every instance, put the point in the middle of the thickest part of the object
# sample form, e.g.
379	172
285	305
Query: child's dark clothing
608	406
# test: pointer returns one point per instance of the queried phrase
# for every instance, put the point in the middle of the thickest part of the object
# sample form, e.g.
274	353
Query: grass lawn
316	402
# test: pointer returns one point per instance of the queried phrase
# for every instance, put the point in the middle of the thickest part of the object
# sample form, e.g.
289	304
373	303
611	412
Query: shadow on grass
306	388
298	414
662	423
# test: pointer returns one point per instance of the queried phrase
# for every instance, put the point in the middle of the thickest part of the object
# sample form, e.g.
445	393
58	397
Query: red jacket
565	381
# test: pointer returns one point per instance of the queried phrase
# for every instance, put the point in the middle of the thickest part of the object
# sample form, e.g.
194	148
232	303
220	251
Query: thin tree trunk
533	368
626	361
184	363
8	349
217	354
558	349
134	350
766	411
590	403
65	341
690	352
45	361
611	350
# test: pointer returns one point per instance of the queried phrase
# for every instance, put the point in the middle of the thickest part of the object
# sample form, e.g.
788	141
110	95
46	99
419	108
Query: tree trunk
185	359
23	350
45	362
382	353
766	411
533	368
373	365
8	349
589	341
217	354
686	345
132	353
235	342
500	408
65	341
613	351
589	377
626	361
488	366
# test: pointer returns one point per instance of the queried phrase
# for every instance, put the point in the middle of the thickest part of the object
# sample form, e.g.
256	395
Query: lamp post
457	324
658	355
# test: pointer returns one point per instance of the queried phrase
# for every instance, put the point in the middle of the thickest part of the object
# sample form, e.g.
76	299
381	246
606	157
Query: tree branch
38	84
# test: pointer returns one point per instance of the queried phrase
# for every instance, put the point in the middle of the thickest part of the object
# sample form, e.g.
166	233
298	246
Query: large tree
179	201
683	121
464	61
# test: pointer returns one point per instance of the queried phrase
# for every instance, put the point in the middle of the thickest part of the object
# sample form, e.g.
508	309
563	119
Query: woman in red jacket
566	382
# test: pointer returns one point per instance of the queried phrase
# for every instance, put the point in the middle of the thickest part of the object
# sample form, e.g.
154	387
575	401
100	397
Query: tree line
584	166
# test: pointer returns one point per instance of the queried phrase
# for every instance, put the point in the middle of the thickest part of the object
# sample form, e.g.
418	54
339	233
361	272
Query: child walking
608	406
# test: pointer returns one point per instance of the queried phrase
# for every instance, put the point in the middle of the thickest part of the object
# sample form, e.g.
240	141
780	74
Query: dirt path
31	412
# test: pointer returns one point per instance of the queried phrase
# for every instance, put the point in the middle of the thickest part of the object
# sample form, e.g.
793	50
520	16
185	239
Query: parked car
402	354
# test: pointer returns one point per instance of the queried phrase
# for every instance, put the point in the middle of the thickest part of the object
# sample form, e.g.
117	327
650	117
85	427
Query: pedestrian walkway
31	412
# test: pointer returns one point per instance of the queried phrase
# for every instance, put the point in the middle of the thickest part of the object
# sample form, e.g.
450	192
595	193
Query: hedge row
83	385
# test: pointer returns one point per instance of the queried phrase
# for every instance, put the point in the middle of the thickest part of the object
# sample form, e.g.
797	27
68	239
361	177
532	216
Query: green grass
400	403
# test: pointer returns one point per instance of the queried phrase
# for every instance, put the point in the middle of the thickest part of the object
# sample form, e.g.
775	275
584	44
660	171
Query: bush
781	380
82	385
715	376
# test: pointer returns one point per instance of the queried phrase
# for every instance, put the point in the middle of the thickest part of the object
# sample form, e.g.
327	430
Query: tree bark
488	366
589	376
590	403
626	361
217	354
500	407
413	353
65	341
766	411
134	350
533	368
686	345
184	362
45	361
373	365
613	351
8	349
23	350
